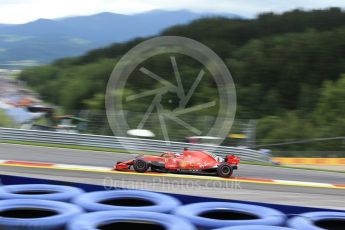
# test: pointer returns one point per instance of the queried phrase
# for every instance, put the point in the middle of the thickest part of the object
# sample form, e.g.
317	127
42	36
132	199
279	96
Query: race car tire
254	227
318	221
32	214
140	166
128	220
39	191
209	215
224	170
127	200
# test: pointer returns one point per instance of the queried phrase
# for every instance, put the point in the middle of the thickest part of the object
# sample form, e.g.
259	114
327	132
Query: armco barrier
124	143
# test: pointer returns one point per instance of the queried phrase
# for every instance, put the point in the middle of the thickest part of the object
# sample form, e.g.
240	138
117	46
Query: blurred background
287	59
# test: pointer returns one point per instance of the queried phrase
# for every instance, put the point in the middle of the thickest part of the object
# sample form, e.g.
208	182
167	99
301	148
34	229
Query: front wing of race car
123	165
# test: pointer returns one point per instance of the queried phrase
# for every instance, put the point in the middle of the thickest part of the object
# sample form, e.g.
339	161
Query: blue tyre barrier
39	191
128	220
255	227
30	214
318	221
209	215
127	200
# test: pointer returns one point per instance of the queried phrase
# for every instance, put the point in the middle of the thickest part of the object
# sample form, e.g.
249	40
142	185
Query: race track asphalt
281	194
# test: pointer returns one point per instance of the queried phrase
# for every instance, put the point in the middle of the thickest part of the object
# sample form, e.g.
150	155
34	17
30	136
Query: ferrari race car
188	161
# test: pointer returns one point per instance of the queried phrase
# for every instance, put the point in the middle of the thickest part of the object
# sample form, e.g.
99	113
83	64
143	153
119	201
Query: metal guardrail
124	143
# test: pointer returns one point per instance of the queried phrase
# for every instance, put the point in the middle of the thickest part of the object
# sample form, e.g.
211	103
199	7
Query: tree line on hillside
289	72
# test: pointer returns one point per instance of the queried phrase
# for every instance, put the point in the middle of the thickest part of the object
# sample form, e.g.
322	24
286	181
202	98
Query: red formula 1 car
188	161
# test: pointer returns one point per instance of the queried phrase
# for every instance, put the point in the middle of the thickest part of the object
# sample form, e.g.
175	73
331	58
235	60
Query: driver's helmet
166	154
219	159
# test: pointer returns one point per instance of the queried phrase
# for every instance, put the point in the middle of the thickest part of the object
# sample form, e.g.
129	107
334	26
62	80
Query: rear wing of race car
232	159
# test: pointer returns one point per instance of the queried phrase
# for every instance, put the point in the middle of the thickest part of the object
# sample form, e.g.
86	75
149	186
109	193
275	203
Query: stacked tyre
40	191
129	220
41	206
37	206
127	200
211	215
318	221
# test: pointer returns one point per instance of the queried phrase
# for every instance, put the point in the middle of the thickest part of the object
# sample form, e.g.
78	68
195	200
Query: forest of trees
289	72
